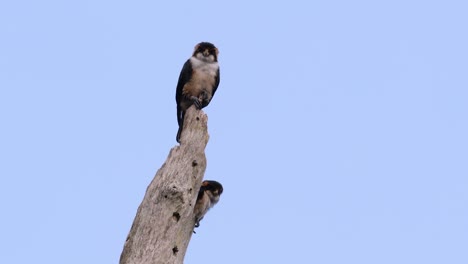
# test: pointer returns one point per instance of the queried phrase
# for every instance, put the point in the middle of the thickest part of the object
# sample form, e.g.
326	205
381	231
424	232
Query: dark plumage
198	81
208	196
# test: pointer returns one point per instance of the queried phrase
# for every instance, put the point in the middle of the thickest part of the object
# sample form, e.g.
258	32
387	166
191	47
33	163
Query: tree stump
164	222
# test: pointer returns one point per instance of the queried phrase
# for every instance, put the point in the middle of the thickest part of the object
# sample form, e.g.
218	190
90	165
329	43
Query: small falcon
208	196
198	81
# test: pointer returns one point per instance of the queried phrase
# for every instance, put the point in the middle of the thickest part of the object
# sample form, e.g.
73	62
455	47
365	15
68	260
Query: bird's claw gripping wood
197	102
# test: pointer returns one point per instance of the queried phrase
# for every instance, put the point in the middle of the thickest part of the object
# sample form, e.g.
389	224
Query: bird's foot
197	102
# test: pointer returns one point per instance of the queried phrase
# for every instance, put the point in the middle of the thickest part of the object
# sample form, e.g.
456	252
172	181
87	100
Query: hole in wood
175	250
194	163
176	216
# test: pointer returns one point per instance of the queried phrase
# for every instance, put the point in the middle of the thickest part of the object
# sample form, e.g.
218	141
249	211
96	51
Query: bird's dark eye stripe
210	51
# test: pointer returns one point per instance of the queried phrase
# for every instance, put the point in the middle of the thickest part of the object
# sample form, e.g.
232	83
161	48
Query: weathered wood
164	221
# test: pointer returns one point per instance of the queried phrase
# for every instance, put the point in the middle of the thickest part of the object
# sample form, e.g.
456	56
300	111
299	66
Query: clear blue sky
339	129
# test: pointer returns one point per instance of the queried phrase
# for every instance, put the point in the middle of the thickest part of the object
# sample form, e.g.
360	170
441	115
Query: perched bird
198	81
208	196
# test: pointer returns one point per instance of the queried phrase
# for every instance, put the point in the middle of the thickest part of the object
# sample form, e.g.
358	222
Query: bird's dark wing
216	83
201	192
184	77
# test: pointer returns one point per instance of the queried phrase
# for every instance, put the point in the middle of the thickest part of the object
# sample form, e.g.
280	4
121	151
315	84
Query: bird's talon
197	102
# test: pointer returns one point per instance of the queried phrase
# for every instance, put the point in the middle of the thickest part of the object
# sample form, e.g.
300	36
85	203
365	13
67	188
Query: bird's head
213	189
206	51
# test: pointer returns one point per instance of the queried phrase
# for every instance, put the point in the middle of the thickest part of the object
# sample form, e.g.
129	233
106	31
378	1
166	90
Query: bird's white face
206	52
214	197
205	56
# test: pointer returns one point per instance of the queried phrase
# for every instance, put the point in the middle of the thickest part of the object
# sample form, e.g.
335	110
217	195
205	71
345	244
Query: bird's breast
203	76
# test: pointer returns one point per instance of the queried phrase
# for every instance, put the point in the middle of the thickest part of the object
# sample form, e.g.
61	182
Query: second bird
198	81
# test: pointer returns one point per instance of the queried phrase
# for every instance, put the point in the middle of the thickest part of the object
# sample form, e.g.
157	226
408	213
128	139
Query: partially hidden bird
208	196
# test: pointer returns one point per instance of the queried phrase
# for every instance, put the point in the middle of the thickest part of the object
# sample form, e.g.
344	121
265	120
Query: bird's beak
206	53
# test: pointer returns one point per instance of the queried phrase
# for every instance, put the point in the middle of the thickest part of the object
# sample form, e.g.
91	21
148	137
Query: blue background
339	129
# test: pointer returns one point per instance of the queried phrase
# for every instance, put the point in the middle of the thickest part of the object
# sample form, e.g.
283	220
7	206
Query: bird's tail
180	121
178	133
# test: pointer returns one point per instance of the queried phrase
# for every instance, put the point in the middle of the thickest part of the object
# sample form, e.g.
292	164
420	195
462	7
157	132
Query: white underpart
213	199
205	65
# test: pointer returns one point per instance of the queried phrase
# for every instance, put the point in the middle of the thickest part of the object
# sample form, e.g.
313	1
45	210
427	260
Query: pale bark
164	221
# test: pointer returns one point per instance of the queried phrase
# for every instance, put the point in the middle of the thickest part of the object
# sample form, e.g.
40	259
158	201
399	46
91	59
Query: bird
198	81
208	196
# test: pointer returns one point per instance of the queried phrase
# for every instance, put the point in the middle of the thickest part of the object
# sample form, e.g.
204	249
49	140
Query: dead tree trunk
164	221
